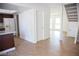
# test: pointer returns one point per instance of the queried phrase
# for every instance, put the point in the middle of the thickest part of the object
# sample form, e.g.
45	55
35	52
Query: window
58	23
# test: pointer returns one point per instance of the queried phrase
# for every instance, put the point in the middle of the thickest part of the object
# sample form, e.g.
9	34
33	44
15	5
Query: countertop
4	33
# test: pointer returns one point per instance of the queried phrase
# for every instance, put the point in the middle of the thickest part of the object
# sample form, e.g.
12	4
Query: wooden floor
57	45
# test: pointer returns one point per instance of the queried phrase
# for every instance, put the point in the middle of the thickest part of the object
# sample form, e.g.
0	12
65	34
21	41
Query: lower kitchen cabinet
6	41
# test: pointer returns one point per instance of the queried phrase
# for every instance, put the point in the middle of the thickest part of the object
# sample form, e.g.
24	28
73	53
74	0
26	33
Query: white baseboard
8	50
43	39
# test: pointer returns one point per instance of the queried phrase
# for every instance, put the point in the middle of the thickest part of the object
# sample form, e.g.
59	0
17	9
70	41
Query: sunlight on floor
56	38
55	34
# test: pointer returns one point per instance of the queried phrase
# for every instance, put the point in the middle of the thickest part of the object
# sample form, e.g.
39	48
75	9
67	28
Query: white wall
43	23
78	11
40	22
27	25
34	25
65	20
46	23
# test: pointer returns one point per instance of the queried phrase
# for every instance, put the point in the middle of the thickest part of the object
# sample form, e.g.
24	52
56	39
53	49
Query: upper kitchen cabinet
6	15
1	16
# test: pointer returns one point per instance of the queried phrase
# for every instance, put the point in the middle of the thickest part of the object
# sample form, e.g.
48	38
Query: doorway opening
56	27
55	23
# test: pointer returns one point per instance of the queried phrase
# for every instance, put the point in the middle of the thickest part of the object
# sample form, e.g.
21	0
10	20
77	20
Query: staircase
72	15
71	10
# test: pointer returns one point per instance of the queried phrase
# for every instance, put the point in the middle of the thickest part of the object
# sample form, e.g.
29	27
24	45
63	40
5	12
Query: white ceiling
19	7
37	5
9	6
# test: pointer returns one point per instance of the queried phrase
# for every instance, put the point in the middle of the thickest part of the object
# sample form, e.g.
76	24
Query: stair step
71	10
71	5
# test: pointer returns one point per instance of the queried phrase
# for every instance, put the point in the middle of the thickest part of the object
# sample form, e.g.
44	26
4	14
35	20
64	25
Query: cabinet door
0	42
7	15
7	41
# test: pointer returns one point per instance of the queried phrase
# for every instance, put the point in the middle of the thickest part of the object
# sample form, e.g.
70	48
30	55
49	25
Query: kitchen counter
3	33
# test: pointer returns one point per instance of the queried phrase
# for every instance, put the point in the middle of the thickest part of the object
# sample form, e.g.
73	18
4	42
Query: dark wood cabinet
6	41
1	20
2	29
3	15
0	43
6	15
